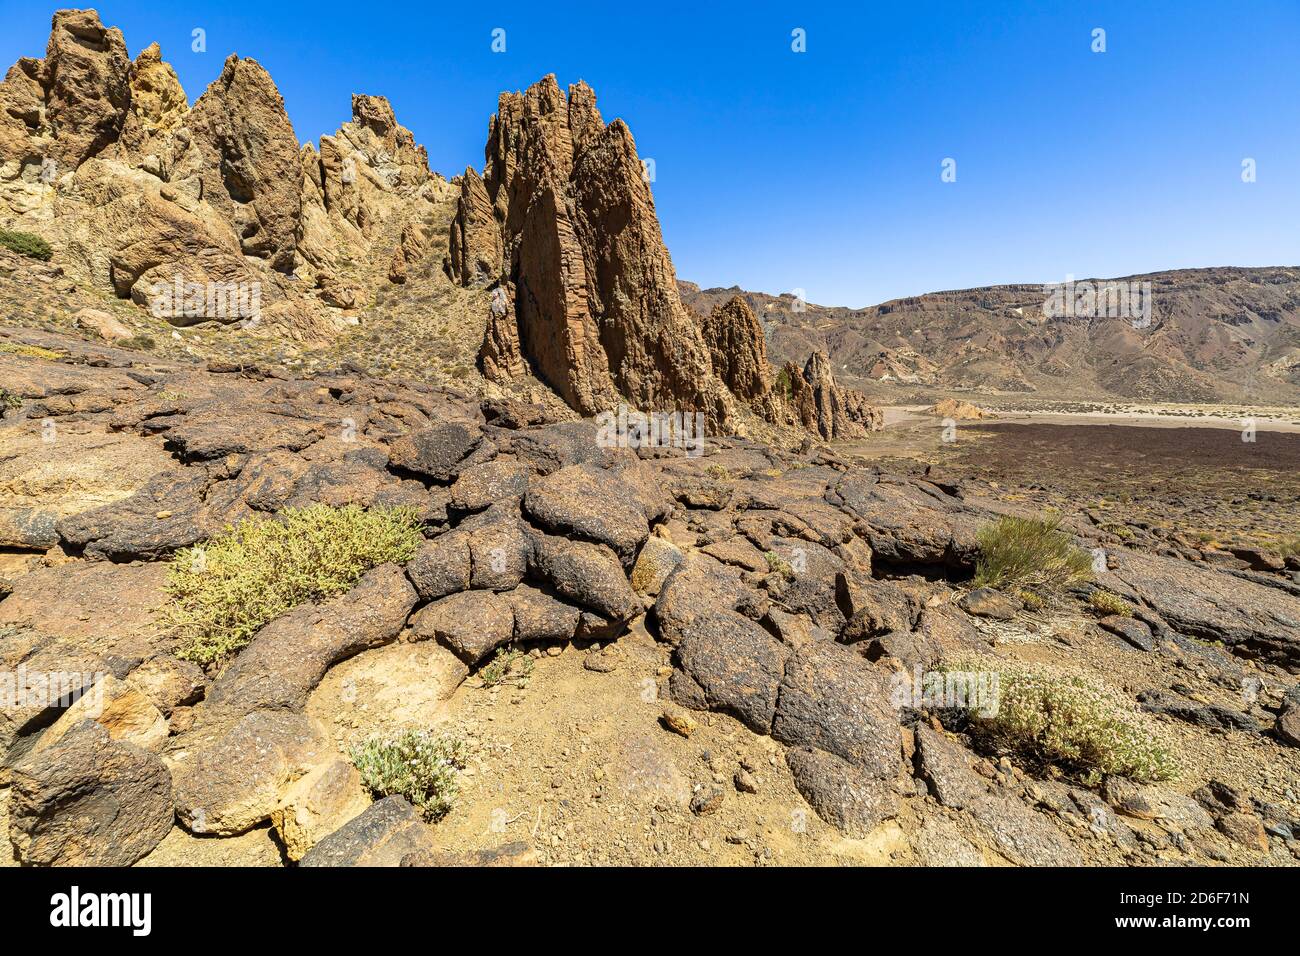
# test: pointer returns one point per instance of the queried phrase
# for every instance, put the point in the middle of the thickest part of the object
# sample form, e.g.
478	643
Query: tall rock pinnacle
563	218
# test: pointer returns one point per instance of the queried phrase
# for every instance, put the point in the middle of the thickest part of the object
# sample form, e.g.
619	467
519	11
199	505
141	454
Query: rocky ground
712	642
646	656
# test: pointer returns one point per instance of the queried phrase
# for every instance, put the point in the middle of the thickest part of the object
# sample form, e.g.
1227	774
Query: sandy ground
1267	419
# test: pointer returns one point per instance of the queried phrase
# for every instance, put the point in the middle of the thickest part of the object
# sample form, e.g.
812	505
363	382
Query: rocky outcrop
71	105
242	157
738	350
89	800
563	217
209	214
823	407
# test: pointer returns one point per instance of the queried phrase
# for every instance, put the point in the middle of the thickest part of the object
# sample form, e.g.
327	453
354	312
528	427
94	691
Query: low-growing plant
1029	553
26	244
1030	599
1048	717
512	666
416	764
9	400
141	343
1289	547
779	565
224	591
1108	603
30	351
784	384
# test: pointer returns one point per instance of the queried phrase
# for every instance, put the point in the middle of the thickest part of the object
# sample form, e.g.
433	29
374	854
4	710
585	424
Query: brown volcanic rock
737	349
243	150
564	215
825	408
1215	334
71	105
158	102
475	245
368	174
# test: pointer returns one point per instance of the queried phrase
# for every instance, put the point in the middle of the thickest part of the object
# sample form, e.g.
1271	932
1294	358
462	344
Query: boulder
654	563
169	682
852	800
126	713
481	486
728	663
287	658
539	616
987	602
88	800
387	832
698	586
592	504
472	625
590	575
101	324
438	452
231	781
832	699
316	805
946	767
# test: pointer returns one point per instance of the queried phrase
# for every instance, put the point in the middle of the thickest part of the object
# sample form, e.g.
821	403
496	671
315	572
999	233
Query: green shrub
30	351
141	343
779	565
784	384
1031	600
226	590
24	243
1048	717
1289	547
1029	553
414	764
509	665
9	400
1108	603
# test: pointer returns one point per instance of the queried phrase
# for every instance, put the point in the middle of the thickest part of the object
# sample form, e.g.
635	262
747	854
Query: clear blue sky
821	170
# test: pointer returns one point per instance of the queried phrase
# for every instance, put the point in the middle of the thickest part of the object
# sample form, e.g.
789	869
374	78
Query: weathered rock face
809	399
105	159
244	154
89	800
71	105
564	215
369	175
738	350
158	102
823	407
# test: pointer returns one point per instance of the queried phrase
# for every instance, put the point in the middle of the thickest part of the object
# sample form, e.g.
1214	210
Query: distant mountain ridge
1215	334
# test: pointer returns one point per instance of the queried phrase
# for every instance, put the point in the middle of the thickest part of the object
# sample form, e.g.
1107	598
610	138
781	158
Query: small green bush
1031	600
1048	717
1029	553
30	351
1289	547
414	764
141	343
509	665
1108	603
9	400
24	243
779	565
226	590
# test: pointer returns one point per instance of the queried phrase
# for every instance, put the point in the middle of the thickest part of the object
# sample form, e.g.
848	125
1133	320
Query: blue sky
820	170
